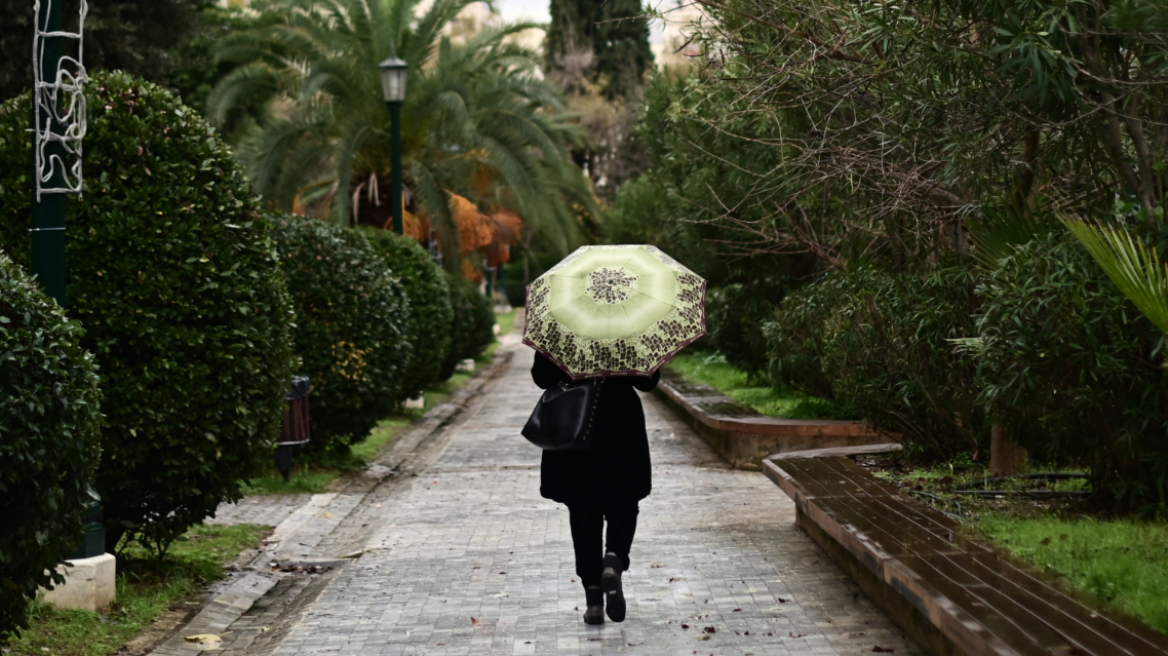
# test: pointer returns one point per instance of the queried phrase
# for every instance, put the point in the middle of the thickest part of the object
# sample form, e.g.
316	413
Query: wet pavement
451	551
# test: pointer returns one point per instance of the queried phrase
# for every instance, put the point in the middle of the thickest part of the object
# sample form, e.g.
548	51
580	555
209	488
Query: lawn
712	369
146	589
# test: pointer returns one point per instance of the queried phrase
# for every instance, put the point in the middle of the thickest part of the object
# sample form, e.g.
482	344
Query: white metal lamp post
393	86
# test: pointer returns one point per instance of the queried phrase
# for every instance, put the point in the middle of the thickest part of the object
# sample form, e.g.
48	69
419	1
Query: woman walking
601	485
612	314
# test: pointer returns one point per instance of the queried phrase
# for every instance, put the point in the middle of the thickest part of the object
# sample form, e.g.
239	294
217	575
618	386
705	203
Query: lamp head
393	79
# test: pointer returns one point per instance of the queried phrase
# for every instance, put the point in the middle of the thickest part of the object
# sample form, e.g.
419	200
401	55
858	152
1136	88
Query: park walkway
465	558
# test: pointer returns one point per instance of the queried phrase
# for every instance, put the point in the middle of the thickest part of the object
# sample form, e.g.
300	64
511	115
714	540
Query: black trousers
591	542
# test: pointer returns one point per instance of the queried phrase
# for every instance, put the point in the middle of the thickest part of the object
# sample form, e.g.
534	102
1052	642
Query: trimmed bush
172	273
474	324
431	316
1074	370
352	328
887	352
49	434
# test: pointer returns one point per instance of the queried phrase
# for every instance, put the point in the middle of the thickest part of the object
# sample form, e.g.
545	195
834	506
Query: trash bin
295	430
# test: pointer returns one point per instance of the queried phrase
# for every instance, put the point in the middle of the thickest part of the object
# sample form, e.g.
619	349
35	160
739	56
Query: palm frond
1134	268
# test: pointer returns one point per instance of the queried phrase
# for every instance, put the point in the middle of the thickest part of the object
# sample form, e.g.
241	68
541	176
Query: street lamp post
48	209
393	87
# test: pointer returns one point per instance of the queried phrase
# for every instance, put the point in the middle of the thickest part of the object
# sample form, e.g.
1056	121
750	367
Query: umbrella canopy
615	310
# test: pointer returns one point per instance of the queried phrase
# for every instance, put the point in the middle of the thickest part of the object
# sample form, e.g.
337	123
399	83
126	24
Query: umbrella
615	310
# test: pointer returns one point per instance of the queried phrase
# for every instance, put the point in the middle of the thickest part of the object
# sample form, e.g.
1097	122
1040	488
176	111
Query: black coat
616	469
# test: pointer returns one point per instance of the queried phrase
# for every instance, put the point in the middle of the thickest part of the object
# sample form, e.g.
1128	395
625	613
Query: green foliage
133	36
196	70
477	122
795	336
689	202
735	315
608	40
1133	267
1120	561
887	352
474	323
431	316
1073	370
352	328
172	273
49	440
622	46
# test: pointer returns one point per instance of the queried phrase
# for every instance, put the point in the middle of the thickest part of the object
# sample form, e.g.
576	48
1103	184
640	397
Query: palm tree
478	121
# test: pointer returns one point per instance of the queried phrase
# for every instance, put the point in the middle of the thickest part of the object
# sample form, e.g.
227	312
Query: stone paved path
465	558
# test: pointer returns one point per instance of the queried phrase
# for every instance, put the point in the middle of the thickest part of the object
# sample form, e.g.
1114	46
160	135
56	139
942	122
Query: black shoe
610	581
595	612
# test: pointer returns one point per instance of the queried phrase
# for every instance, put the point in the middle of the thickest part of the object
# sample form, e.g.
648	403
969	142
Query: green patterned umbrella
613	310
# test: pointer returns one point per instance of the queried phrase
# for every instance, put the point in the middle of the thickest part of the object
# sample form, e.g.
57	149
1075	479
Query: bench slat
955	581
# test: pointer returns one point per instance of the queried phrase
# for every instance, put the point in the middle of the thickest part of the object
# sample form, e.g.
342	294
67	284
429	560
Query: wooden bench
952	594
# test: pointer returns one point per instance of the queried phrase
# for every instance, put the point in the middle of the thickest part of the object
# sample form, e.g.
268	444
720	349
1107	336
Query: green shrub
172	273
474	324
1073	369
735	316
352	328
49	434
887	352
794	338
431	316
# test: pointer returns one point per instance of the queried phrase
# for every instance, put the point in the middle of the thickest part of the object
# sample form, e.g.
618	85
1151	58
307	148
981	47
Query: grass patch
146	588
1121	561
713	370
319	475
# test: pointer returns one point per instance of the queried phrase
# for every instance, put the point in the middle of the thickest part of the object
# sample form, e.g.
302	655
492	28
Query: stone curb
743	437
218	614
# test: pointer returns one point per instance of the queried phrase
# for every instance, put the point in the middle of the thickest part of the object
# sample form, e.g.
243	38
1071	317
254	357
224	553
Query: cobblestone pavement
263	510
463	557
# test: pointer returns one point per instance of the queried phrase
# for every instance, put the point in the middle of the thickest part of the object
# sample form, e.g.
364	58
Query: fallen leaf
710	629
204	639
685	626
792	635
736	610
882	650
475	621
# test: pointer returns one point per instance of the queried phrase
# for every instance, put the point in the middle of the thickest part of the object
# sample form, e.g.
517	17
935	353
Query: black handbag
562	419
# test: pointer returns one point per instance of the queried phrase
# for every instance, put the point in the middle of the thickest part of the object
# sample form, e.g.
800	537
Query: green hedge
431	315
794	337
1075	371
735	317
49	434
172	273
888	354
474	324
352	328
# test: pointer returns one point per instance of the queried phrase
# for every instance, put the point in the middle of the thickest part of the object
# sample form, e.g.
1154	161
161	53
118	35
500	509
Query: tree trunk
1006	458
